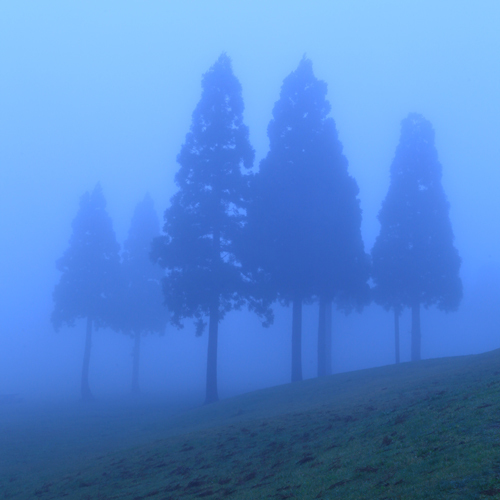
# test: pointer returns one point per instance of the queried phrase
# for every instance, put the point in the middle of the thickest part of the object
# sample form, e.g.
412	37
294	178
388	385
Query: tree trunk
397	312
85	388
135	363
328	337
297	340
325	338
213	329
322	338
415	332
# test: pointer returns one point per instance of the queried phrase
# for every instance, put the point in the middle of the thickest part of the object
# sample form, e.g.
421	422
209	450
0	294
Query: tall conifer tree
90	279
206	216
305	217
414	260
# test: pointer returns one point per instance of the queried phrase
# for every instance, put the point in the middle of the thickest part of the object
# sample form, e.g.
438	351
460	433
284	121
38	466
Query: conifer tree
143	310
206	216
305	216
414	260
89	284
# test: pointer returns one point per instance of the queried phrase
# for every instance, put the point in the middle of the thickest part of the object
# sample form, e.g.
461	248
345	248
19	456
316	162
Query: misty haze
249	250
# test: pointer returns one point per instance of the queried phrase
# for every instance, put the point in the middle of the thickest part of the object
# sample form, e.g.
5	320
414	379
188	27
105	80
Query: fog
104	92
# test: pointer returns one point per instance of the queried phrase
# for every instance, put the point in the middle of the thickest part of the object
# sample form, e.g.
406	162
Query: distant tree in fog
206	216
142	308
304	221
90	268
414	260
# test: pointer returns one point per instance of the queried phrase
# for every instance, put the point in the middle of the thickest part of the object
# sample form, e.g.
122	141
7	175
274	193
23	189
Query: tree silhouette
90	268
206	216
305	218
143	310
414	260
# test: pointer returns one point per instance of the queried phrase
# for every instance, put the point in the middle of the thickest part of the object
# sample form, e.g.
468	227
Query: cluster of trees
122	292
289	233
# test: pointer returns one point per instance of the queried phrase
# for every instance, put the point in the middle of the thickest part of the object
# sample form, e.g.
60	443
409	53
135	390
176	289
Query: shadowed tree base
85	388
415	332
297	340
325	338
322	338
135	367
213	330
397	312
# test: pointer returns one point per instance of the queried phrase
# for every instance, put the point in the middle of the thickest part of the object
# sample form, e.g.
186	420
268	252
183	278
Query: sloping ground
418	430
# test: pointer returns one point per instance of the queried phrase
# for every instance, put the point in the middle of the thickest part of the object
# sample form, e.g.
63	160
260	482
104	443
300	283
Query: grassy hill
417	430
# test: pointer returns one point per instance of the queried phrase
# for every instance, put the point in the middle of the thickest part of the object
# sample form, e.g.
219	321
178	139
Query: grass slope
417	430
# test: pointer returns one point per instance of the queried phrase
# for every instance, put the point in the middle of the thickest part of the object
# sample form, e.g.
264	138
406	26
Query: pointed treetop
223	61
416	159
97	197
143	228
301	108
415	127
305	64
221	88
221	68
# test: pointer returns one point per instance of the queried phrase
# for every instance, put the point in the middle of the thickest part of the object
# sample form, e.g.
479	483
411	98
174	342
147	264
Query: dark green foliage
90	268
143	310
305	219
414	260
206	216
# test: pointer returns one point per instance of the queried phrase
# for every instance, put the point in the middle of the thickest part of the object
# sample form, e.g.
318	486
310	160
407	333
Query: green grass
426	430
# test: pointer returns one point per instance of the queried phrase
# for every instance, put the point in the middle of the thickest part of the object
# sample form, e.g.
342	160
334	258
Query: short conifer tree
90	279
142	308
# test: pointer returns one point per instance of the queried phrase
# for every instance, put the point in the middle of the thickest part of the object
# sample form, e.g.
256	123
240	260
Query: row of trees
291	232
